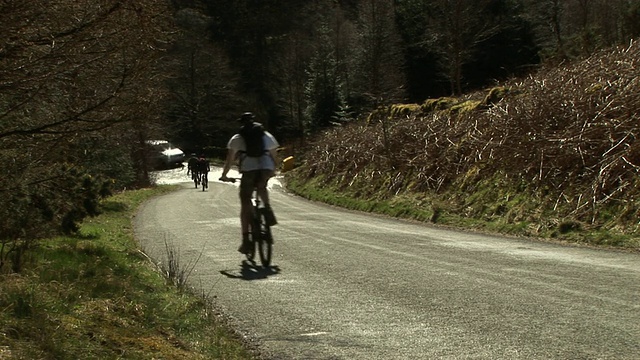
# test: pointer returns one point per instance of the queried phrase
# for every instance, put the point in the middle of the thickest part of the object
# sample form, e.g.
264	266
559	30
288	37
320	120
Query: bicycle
204	179
261	237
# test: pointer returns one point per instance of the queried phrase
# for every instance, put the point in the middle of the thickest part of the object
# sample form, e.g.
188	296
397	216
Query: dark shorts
252	179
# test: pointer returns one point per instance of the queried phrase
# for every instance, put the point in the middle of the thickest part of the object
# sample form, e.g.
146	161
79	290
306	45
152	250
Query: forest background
86	83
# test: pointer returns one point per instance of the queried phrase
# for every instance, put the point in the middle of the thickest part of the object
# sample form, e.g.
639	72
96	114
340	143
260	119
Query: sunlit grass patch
94	295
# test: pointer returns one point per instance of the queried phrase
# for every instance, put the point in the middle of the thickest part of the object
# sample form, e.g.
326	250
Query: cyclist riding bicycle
203	165
192	165
255	151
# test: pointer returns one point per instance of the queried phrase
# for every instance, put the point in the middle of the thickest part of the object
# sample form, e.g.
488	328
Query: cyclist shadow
251	271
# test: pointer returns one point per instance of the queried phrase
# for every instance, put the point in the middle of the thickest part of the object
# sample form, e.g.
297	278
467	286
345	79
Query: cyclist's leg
261	186
247	183
263	193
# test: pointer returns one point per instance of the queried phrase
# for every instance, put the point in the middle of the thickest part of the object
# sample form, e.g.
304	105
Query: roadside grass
476	213
95	295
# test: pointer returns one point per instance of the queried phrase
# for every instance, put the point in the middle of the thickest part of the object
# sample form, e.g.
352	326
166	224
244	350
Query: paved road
348	285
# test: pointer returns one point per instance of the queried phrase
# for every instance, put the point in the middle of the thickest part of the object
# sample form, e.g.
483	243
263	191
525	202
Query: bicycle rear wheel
205	181
251	254
265	241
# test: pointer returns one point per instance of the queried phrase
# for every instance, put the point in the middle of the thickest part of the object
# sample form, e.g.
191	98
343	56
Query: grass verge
493	215
96	296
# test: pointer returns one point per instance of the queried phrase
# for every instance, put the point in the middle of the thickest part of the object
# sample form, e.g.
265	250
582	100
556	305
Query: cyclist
203	167
191	166
256	170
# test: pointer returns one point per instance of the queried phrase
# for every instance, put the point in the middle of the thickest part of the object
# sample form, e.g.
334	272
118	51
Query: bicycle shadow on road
251	271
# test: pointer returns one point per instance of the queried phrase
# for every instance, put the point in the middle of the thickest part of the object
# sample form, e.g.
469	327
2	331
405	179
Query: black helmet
246	117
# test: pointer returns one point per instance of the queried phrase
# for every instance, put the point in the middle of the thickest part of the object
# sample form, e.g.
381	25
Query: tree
252	33
575	28
456	28
422	66
204	98
291	66
75	83
380	61
323	88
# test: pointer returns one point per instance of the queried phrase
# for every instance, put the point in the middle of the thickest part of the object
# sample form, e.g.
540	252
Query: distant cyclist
255	151
203	167
191	166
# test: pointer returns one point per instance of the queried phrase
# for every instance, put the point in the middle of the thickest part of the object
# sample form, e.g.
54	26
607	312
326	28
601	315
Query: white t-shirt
254	163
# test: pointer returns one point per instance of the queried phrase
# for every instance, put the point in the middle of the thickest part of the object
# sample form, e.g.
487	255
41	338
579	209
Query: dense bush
77	82
565	138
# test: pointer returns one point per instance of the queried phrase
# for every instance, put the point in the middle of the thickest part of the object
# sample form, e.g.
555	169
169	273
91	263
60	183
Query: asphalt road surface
348	285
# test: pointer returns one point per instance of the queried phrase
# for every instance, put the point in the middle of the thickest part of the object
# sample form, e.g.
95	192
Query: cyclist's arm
274	155
231	155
